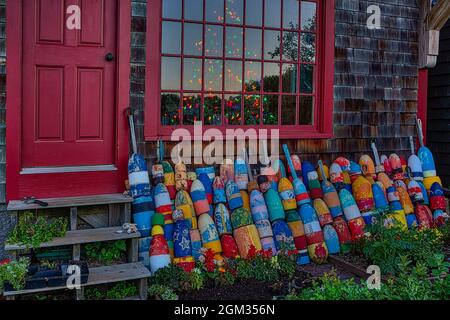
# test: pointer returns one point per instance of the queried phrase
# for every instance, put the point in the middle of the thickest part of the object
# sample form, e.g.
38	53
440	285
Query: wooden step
98	276
81	237
70	202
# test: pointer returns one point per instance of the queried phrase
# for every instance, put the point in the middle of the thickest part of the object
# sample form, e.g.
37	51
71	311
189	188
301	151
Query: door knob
109	57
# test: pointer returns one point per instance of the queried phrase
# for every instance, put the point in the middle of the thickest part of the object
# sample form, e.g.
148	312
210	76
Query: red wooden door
71	136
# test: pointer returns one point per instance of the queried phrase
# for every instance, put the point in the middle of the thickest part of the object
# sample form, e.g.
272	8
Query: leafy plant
172	277
162	291
117	292
32	230
106	252
14	272
196	279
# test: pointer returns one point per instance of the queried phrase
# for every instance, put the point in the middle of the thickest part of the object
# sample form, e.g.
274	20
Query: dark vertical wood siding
438	139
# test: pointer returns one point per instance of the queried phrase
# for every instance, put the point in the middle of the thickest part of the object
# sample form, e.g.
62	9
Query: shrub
106	252
162	291
15	272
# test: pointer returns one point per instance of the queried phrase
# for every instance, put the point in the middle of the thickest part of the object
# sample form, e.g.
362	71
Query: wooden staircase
119	212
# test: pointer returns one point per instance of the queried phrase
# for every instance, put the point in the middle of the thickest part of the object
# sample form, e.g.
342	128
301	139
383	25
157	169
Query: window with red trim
248	63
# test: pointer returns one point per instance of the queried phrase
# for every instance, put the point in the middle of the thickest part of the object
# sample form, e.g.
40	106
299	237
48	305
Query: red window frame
324	79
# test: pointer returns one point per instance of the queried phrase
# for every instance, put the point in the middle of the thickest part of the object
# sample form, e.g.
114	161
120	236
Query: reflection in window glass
290	78
213	75
272	13
253	43
290	46
171	9
290	14
306	78
271	45
193	10
308	18
214	10
212	109
234	11
191	108
271	78
252	76
232	107
252	107
193	39
170	73
233	75
253	12
170	104
213	41
171	37
192	74
288	110
234	42
270	111
308	47
306	110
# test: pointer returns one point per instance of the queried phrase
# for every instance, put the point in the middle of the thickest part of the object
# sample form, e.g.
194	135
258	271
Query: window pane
234	43
172	9
308	47
234	11
214	10
233	76
171	37
253	43
272	13
271	78
270	103
191	108
306	78
271	45
290	46
290	78
193	10
214	41
170	103
213	109
252	107
308	12
252	76
232	109
306	110
192	74
213	75
253	12
193	39
288	110
170	73
290	14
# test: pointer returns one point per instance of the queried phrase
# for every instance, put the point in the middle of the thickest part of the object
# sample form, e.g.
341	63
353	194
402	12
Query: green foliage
106	252
15	272
119	291
162	291
172	277
32	230
196	279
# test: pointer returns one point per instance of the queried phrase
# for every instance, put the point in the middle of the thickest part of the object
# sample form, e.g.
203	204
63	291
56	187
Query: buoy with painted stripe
331	239
286	191
196	242
284	240
437	199
368	167
330	195
157	173
352	214
415	192
355	172
297	228
143	209
326	172
258	206
209	234
386	164
362	191
274	205
296	166
307	167
424	216
280	169
323	213
428	182
181	176
227	170
233	195
191	177
315	190
407	206
240	174
169	179
219	191
264	228
317	248
336	176
241	217
397	214
229	246
198	195
396	166
138	176
415	166
246	237
427	161
207	184
245	199
210	171
163	204
222	219
184	203
159	250
344	163
182	242
440	217
263	183
380	200
301	194
271	175
343	232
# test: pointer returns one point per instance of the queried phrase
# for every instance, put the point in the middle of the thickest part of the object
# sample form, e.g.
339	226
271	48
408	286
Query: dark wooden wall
438	138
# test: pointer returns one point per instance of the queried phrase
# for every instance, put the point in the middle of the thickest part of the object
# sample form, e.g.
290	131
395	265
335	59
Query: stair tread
117	198
98	276
81	237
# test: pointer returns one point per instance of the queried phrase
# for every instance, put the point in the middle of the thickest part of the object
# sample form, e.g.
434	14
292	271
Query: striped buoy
258	206
286	191
427	161
386	164
352	214
143	209
354	173
315	190
181	176
210	171
330	195
219	191
246	237
233	195
191	177
379	197
263	183
415	192
227	170
229	246
428	182
296	166
163	204
424	216
184	203
240	174
368	167
245	199
274	205
343	232
396	166
157	173
362	191
182	243
138	176
440	217
297	228
169	179
159	250
317	248
271	175
209	234
336	176
426	199
307	167
207	184
415	166
264	228
331	239
279	168
199	199
196	242
301	194
437	199
326	172
222	219
284	240
323	213
344	163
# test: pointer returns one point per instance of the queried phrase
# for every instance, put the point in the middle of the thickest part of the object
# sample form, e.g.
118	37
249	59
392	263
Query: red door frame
63	184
